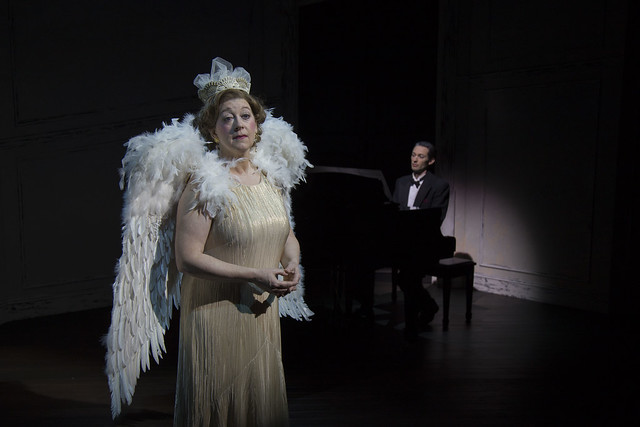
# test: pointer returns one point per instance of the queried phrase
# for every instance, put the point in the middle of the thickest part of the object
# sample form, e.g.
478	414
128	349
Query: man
422	189
419	190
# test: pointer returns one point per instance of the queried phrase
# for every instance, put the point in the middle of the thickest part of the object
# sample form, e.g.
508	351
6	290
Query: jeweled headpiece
223	76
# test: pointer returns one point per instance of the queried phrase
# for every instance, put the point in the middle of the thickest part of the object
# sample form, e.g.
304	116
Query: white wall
529	115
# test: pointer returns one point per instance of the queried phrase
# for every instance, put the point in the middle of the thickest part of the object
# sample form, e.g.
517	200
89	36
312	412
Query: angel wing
146	287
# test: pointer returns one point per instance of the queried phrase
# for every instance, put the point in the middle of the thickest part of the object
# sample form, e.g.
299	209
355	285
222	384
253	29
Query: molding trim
555	295
56	303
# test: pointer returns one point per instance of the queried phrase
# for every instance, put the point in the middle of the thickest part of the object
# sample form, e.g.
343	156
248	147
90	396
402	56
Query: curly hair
207	117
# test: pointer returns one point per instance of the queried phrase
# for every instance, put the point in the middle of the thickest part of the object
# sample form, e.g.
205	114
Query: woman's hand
290	259
292	274
268	280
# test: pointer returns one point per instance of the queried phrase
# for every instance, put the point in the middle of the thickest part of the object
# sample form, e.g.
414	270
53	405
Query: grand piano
349	226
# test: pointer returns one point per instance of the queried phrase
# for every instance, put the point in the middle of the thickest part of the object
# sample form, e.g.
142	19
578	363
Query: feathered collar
156	164
279	154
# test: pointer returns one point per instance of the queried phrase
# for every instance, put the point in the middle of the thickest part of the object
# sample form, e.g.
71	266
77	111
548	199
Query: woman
230	368
218	186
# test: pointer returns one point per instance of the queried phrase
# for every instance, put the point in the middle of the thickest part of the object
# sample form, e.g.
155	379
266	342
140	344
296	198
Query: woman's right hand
267	279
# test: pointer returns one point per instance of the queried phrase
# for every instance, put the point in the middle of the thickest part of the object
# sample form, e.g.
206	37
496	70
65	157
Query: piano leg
394	284
446	299
469	292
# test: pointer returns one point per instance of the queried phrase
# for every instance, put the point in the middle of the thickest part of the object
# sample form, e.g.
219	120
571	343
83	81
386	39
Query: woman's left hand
292	274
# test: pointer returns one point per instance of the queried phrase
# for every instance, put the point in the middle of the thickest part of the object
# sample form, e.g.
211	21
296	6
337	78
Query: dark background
360	82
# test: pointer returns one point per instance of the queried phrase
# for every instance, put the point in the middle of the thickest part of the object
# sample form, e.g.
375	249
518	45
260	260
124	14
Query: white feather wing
146	288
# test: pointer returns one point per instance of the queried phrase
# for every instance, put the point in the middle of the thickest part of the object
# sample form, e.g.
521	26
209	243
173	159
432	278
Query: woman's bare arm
192	229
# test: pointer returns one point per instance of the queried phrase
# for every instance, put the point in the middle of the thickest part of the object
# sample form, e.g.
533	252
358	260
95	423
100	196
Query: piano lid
366	173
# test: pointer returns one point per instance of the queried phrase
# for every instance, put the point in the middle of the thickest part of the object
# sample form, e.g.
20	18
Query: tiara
223	76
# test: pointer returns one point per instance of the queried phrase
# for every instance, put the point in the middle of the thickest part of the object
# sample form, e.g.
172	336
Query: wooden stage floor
519	363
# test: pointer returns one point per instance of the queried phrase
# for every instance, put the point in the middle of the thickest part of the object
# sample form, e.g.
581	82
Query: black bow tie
418	182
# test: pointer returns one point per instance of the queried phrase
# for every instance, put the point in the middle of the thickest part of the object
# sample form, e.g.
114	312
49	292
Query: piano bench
447	269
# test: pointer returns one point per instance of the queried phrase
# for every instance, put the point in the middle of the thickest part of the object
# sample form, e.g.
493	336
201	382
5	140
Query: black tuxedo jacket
433	193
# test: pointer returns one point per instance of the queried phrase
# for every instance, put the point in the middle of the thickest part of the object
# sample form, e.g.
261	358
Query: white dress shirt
413	190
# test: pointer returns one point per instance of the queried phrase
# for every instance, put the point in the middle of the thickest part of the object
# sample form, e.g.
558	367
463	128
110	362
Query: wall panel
80	79
69	214
530	114
539	175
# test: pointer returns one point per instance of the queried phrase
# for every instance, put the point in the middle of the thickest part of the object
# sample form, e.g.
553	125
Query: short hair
207	117
429	146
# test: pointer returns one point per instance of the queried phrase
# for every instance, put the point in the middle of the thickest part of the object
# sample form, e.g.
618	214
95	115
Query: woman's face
236	128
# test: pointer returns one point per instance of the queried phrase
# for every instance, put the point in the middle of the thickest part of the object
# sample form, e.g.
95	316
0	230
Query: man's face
420	159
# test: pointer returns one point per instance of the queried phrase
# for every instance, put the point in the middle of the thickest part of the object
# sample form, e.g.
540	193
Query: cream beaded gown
230	366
